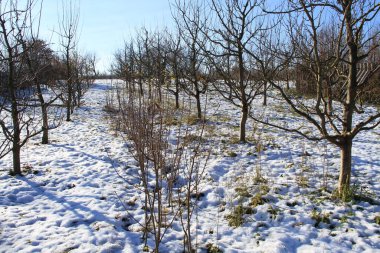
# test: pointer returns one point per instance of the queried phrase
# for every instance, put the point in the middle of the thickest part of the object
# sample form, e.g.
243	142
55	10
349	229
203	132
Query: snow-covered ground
73	200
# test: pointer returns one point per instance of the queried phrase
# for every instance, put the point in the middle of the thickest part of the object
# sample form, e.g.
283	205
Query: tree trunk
150	88
15	113
45	119
199	107
176	100
345	168
243	122
243	95
348	109
69	102
16	147
265	94
159	86
79	90
69	83
287	81
176	94
68	106
45	125
141	86
16	159
329	96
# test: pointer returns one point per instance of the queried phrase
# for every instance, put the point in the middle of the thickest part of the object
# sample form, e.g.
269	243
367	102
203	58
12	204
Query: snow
73	199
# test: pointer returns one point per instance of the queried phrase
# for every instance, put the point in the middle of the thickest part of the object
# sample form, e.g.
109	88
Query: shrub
235	218
273	212
257	200
319	217
232	154
377	219
243	192
211	248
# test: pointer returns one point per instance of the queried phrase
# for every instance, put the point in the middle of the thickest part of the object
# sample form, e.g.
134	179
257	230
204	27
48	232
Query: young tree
139	57
145	59
145	39
236	25
170	167
346	70
175	62
68	25
40	63
83	74
190	24
160	60
125	65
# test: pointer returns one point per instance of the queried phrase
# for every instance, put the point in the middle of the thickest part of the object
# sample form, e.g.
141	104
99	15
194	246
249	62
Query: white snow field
73	200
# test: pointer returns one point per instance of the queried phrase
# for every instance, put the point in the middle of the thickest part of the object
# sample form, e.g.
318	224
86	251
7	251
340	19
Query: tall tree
190	23
347	69
17	118
235	26
68	26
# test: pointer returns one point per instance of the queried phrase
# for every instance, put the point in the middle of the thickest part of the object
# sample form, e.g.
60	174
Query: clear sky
105	24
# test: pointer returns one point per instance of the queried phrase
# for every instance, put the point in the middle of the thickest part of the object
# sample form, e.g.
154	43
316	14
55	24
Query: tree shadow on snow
101	158
83	214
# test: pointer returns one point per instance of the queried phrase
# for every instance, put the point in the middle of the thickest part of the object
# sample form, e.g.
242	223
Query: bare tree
40	61
139	57
126	64
160	60
83	74
170	170
190	23
150	146
68	26
169	175
145	39
236	25
175	62
345	69
145	59
18	116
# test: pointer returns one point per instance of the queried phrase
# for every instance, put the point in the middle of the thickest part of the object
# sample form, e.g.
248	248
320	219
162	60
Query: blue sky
105	24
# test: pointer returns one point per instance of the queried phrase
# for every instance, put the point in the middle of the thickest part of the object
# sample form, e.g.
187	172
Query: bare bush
170	166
